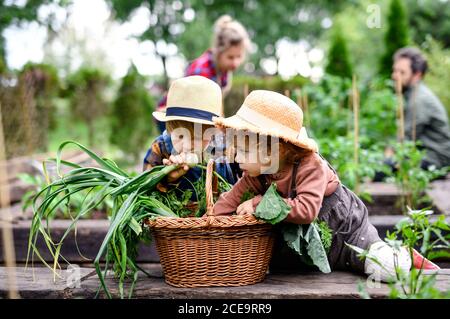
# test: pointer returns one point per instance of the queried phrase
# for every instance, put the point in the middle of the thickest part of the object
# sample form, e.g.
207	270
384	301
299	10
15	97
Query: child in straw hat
307	183
190	134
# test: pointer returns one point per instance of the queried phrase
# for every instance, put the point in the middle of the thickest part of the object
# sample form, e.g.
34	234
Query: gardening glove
380	261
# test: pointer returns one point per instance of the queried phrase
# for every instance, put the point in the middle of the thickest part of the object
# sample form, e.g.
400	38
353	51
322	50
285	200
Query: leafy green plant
432	239
248	194
329	119
130	115
410	177
134	200
338	55
340	151
396	36
439	73
65	208
311	242
272	208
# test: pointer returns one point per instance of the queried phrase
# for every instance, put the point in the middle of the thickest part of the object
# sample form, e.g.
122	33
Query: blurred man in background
426	119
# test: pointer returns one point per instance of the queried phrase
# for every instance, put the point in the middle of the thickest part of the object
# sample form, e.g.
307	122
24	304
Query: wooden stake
414	109
245	90
355	100
305	97
306	109
6	221
401	120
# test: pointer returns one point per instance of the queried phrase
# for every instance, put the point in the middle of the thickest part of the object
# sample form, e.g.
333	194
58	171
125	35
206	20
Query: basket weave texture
213	250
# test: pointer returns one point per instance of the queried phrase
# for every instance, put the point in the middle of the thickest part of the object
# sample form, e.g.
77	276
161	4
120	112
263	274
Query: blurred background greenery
68	88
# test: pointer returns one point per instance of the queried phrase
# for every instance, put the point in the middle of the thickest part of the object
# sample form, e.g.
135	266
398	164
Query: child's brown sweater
314	180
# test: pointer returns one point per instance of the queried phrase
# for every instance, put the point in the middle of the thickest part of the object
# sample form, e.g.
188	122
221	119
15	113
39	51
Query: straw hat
194	99
270	113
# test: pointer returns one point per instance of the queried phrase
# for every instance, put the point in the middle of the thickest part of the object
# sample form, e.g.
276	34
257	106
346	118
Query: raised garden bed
92	231
90	234
385	197
32	165
311	285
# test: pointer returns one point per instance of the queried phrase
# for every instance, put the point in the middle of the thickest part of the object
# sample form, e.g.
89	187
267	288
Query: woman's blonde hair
228	33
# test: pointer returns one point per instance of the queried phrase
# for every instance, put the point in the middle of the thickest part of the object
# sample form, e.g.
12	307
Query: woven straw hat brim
162	117
238	123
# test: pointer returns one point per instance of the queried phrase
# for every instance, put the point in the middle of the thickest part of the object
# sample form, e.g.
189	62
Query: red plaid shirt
204	66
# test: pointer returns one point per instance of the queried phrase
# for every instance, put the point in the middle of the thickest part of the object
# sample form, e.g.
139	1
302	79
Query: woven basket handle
209	188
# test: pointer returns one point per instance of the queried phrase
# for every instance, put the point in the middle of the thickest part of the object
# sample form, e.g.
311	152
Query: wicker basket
213	250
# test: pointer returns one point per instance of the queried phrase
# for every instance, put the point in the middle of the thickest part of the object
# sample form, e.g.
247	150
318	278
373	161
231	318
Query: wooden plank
32	163
39	282
439	193
385	197
91	233
305	285
381	189
16	213
89	237
16	189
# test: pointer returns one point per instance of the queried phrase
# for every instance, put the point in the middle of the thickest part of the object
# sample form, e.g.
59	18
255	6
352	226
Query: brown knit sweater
314	180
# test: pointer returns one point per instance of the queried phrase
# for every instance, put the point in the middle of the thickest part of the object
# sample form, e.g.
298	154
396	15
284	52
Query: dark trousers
347	217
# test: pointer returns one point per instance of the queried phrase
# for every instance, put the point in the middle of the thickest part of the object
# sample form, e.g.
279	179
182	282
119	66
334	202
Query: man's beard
406	87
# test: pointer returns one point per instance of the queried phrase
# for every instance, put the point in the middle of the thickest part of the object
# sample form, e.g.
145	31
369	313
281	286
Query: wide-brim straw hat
194	99
271	114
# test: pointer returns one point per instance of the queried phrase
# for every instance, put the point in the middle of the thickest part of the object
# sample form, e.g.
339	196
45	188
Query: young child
306	182
191	103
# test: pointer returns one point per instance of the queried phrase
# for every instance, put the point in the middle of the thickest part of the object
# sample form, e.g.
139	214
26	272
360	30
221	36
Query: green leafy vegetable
325	234
272	208
133	197
312	242
316	248
293	235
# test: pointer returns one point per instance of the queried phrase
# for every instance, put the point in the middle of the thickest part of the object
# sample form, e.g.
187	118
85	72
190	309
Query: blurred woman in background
228	51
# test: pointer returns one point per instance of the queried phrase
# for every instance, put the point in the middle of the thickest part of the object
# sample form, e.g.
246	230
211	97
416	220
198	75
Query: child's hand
179	172
183	160
177	160
245	208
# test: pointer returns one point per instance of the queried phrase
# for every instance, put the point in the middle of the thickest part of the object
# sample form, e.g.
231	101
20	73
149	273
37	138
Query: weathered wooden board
385	196
90	234
439	193
307	285
33	165
88	239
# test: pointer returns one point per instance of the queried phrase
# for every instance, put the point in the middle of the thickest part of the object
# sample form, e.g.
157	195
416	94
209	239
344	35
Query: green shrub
338	56
131	116
397	35
438	75
28	108
236	96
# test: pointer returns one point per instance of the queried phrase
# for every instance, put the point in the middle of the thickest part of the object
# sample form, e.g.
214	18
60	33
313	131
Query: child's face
184	143
232	58
248	161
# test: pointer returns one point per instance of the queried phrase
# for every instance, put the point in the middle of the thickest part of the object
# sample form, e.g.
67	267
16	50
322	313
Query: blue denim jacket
162	148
